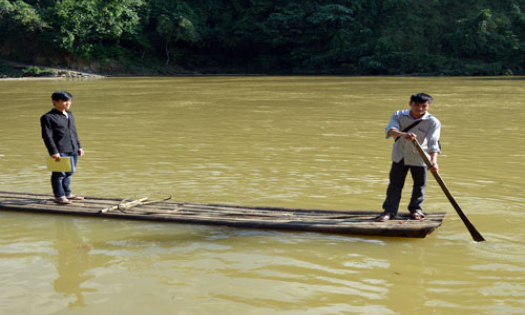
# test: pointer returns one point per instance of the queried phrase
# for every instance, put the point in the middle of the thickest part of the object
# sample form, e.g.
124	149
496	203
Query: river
305	142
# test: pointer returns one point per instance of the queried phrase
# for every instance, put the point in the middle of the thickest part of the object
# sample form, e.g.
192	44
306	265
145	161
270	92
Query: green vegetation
34	71
351	37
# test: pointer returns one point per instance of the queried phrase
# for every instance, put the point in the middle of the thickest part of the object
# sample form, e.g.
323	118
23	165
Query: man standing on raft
61	139
405	126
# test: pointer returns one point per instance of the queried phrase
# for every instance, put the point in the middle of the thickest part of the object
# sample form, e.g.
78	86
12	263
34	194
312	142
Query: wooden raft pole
124	206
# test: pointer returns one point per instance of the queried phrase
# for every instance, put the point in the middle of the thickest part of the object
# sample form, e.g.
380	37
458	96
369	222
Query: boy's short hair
61	96
421	98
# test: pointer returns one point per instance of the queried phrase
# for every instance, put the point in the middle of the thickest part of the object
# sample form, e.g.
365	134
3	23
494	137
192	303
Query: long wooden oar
471	228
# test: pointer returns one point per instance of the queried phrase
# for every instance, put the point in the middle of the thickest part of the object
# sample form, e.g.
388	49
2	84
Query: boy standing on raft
61	139
405	126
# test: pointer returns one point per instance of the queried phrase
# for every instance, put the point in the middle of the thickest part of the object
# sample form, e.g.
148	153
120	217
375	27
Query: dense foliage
355	37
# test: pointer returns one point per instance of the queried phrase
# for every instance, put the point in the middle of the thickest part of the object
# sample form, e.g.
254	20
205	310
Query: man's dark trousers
398	174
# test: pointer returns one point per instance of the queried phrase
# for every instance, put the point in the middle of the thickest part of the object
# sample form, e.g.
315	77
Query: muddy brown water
306	142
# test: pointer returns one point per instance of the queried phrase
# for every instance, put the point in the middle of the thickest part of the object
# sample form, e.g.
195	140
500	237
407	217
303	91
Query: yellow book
64	165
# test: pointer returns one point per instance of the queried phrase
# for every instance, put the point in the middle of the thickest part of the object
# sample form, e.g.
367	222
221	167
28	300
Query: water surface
309	142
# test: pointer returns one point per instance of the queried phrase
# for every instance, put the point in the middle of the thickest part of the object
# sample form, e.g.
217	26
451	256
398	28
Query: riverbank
10	70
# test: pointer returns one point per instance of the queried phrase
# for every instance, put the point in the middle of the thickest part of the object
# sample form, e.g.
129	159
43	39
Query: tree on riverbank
356	37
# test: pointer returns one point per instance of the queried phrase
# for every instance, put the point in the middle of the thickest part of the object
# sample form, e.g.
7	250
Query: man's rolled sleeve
433	137
394	123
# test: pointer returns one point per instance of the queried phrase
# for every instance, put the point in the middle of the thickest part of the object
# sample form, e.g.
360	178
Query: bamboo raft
327	221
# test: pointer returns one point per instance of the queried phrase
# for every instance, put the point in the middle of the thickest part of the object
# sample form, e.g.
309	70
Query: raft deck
326	221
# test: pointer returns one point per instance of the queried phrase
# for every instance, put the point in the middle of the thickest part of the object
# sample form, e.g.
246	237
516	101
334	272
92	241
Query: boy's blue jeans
398	173
60	180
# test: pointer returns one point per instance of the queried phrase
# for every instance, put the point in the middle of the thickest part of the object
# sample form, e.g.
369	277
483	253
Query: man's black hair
421	98
61	96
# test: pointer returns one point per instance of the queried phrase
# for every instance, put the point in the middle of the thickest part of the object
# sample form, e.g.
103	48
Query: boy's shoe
62	201
75	197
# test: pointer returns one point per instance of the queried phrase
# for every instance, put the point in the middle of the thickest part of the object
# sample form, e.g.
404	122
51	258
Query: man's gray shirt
427	132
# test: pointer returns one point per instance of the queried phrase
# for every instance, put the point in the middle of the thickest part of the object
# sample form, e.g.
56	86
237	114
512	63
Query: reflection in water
74	261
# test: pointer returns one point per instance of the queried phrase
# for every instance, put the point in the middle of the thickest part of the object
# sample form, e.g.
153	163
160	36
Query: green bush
34	71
